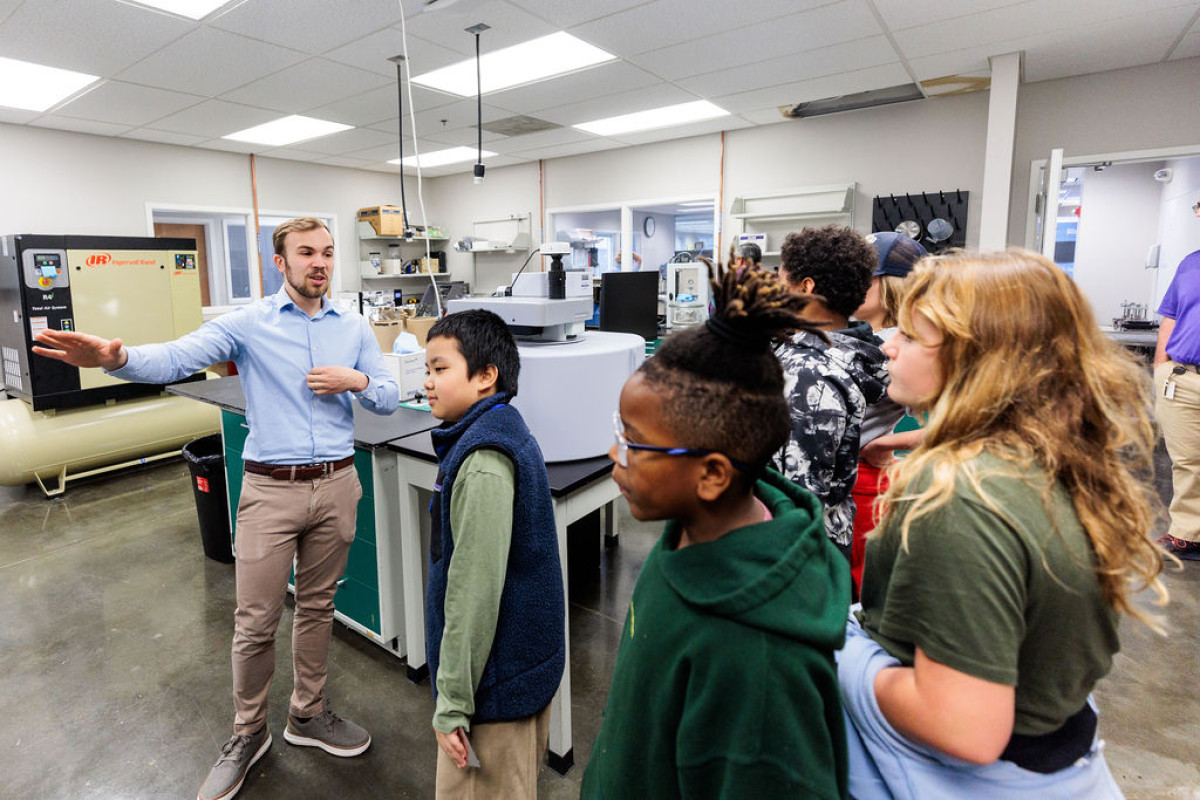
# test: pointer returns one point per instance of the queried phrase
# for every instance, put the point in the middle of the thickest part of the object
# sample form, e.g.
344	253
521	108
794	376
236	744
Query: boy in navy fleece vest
494	608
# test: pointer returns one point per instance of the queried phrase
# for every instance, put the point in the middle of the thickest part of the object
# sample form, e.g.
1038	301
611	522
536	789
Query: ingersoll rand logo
98	259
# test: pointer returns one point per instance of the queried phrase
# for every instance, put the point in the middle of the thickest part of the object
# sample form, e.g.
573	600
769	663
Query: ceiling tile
210	62
800	32
348	141
311	83
702	128
292	154
163	137
1188	48
447	26
380	104
98	38
115	101
1143	39
1032	18
605	79
763	116
18	116
343	161
79	125
655	96
442	120
802	91
230	146
594	145
530	141
215	118
848	57
651	26
310	26
901	14
459	137
7	7
373	51
566	13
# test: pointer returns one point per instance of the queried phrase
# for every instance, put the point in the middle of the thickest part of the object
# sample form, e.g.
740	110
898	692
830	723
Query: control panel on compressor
45	269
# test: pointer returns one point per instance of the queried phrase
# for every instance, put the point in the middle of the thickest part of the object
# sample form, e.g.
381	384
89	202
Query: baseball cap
898	253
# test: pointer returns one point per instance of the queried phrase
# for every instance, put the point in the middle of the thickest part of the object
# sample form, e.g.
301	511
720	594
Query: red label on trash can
202	483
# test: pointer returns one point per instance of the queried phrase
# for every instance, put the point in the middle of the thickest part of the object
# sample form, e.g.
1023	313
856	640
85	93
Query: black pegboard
888	211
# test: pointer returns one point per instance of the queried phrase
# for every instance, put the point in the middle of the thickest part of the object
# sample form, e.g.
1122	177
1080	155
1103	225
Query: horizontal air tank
50	446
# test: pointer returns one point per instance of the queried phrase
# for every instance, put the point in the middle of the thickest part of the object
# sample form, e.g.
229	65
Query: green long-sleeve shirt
481	524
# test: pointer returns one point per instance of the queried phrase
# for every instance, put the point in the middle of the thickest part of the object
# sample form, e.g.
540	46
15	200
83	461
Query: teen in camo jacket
829	379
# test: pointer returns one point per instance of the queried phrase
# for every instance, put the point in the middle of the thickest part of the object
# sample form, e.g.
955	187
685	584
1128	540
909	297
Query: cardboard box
409	371
386	331
419	327
386	220
427	265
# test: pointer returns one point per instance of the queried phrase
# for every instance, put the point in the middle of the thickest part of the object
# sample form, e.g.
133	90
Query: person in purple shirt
1177	381
302	363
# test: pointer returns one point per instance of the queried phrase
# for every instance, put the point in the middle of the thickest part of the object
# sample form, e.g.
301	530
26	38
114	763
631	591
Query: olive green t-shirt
1012	597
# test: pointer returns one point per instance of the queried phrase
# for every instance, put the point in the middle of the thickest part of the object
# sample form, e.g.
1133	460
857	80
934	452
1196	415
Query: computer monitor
629	303
447	290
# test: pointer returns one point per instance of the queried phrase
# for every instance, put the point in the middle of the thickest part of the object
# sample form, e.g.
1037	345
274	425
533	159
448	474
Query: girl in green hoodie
725	684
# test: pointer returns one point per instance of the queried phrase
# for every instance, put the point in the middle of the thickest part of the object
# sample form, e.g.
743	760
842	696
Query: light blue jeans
886	766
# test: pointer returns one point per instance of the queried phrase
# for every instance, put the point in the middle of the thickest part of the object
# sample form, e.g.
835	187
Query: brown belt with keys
298	472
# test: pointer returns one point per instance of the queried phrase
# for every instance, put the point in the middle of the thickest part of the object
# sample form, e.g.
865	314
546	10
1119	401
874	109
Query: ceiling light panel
287	130
520	64
192	9
34	87
665	117
440	158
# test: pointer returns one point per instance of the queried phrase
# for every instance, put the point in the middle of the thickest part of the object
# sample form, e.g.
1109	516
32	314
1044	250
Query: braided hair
721	384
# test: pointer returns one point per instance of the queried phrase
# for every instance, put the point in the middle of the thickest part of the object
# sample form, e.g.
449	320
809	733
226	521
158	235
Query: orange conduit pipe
262	286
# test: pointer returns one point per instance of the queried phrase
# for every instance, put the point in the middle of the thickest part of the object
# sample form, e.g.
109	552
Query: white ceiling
168	79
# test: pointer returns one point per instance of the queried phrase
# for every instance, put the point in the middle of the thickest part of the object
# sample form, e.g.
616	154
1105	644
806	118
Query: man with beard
301	361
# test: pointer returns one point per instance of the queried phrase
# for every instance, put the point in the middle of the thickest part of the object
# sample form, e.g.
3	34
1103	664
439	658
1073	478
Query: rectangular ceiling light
530	61
192	9
33	87
288	130
665	117
440	158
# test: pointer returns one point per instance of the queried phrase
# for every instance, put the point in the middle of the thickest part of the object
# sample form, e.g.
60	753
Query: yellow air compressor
70	422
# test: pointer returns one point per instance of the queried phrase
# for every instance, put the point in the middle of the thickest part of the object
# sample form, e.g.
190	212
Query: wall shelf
405	276
777	214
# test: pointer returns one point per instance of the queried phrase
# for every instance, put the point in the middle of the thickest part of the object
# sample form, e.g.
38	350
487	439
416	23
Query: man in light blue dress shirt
302	363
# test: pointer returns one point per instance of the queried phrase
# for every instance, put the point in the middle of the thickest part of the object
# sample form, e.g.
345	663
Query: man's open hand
80	349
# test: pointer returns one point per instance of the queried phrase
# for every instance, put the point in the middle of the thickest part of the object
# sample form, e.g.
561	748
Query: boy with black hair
832	373
495	614
725	683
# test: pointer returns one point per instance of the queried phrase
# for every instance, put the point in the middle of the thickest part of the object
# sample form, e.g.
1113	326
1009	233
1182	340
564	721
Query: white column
627	264
998	155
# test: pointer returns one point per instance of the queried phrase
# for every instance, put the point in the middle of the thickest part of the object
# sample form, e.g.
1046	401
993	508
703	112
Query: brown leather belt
298	472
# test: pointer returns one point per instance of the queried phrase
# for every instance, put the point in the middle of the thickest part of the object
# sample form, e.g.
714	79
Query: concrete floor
114	652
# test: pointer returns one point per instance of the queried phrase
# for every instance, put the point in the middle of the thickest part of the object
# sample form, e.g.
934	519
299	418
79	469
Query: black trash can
206	461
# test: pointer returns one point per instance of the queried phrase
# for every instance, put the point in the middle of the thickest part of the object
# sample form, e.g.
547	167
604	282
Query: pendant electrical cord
437	297
478	107
400	129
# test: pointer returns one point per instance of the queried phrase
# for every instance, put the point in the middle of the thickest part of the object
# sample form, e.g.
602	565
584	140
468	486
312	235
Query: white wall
927	145
1118	223
913	147
61	182
455	202
1140	108
1180	228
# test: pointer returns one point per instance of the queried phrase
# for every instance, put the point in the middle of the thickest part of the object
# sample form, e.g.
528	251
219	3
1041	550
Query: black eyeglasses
624	446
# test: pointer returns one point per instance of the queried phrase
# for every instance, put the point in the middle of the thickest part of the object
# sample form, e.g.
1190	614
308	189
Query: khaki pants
1179	418
311	522
510	754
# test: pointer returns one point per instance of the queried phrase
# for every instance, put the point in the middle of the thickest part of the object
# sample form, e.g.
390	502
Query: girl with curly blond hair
1011	541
